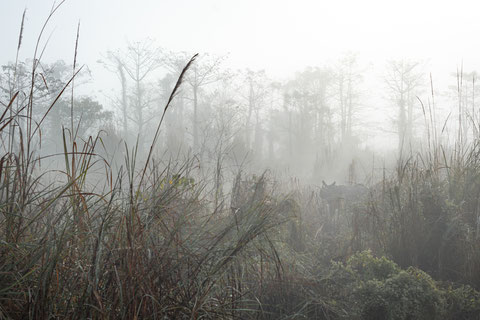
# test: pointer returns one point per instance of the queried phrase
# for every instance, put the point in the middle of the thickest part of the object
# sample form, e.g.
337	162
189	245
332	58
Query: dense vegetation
87	234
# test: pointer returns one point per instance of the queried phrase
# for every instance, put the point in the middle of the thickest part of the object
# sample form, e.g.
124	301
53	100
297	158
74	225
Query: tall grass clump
146	244
428	207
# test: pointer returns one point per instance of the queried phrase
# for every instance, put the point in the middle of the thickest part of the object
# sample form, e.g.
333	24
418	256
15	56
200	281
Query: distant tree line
309	123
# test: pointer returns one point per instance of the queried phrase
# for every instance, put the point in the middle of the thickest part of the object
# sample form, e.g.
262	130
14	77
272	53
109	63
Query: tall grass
147	244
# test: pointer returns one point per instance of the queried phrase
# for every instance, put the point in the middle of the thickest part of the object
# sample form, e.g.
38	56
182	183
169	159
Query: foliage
462	302
376	288
89	116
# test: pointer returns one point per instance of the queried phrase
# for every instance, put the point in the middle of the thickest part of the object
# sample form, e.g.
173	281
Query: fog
279	37
295	134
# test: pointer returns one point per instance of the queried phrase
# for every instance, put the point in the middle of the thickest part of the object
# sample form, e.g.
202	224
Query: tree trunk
349	112
258	143
124	105
251	106
195	118
402	118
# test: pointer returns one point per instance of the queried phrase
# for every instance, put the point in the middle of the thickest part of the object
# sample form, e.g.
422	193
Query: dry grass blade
8	107
172	95
55	101
73	87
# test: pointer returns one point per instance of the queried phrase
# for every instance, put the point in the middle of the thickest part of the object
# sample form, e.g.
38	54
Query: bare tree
136	64
404	82
463	93
346	81
114	64
205	71
307	97
255	95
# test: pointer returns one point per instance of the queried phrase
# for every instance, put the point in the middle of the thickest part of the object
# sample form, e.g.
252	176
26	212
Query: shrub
462	303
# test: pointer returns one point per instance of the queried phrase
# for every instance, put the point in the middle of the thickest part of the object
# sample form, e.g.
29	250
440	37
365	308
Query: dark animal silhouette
337	197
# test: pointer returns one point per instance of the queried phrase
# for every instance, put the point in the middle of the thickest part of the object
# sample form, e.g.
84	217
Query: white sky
280	36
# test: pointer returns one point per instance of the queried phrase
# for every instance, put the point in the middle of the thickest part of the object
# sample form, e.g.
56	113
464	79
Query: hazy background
281	37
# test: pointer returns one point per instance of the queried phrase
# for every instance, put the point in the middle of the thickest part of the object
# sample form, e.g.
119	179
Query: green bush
462	303
376	288
367	267
406	295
